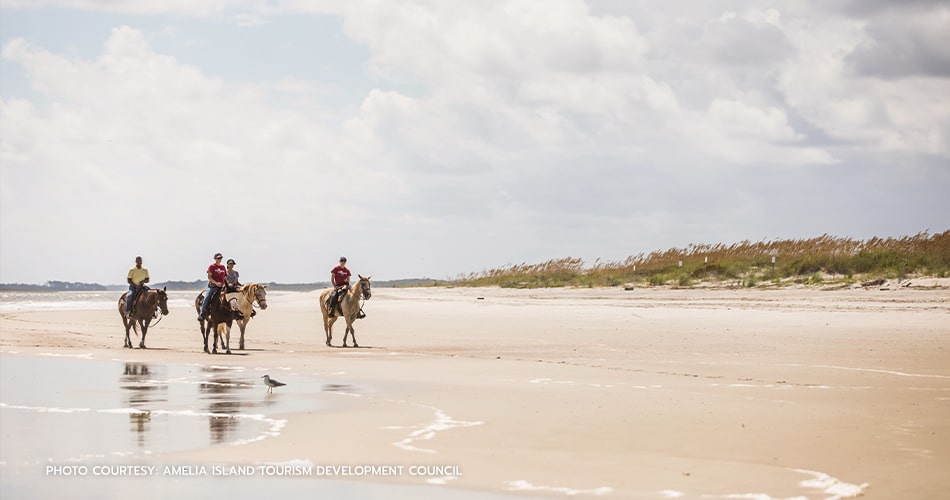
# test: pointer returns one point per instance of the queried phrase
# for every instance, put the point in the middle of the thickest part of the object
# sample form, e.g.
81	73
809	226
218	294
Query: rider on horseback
234	285
217	275
137	278
340	278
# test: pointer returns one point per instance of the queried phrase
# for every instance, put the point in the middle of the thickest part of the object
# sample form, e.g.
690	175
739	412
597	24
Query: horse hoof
142	346
228	351
355	345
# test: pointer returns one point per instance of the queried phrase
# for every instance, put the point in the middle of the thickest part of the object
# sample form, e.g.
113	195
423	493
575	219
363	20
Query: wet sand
649	393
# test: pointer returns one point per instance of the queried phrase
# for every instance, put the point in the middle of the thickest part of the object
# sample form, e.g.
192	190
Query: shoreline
595	392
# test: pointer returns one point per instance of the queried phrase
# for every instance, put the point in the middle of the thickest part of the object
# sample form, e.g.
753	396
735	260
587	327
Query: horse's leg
242	324
145	323
220	336
326	319
350	331
204	333
128	323
135	328
353	331
346	331
214	340
329	327
344	309
227	337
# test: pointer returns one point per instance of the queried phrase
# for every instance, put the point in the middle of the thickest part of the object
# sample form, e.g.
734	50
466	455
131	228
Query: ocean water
11	302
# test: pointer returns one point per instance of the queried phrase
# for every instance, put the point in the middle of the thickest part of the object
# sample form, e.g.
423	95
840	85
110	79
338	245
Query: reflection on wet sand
341	388
141	392
222	393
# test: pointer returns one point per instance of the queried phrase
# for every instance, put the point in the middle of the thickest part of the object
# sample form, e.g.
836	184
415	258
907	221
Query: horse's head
260	295
163	300
364	286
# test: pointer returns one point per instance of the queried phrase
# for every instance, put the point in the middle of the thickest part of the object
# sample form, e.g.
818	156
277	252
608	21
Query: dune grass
810	261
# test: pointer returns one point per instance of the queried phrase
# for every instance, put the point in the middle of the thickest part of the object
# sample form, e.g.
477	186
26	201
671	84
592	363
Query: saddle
139	292
334	309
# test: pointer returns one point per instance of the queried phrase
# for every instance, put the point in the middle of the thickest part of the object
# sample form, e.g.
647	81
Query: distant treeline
810	261
55	286
64	286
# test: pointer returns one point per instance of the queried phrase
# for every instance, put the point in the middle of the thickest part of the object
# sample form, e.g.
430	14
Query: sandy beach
643	393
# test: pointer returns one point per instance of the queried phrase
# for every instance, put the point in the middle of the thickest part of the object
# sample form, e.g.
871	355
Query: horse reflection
221	391
141	392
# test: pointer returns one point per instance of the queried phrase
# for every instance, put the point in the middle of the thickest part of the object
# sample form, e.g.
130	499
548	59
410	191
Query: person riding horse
137	278
217	275
233	286
340	279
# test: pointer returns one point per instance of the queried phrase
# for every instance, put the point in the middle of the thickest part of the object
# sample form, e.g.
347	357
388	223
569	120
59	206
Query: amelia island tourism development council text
253	470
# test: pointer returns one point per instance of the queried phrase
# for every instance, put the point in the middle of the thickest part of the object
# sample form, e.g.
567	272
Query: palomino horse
250	293
219	317
144	309
350	303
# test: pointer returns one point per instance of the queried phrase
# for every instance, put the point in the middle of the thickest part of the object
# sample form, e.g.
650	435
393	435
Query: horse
250	293
219	317
350	304
145	308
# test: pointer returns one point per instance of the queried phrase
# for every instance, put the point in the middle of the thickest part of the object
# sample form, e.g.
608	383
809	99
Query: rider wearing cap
340	278
233	278
217	276
232	290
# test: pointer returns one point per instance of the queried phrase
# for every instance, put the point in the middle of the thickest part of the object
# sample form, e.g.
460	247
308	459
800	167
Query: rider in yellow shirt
137	278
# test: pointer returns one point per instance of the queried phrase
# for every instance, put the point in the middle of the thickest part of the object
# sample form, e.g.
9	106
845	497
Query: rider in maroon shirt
217	275
340	278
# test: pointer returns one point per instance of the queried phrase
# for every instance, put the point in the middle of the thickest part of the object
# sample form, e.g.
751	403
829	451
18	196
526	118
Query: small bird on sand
271	383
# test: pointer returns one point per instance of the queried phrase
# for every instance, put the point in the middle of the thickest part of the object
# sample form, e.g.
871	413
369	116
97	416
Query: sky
432	139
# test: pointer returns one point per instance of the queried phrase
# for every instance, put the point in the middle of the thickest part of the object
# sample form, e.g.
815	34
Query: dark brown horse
350	304
219	318
247	295
145	308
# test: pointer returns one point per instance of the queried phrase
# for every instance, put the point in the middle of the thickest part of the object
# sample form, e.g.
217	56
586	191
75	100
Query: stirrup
360	315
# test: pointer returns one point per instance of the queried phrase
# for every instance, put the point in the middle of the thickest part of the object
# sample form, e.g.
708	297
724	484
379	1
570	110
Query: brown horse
350	304
249	294
219	318
145	308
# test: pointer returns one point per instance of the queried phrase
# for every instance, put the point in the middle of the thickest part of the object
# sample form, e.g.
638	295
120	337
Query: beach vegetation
820	260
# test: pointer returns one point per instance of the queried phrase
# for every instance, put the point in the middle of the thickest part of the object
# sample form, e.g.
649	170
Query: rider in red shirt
217	275
340	278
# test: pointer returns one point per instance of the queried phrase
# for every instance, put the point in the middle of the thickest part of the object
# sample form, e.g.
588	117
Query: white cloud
481	133
910	115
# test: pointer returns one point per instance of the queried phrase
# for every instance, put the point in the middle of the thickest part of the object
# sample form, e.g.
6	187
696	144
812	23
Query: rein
157	314
249	296
361	314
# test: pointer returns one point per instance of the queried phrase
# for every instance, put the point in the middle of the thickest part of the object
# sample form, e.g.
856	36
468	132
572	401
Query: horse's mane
249	291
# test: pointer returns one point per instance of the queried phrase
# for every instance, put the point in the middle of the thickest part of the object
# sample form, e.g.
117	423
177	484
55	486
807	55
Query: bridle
158	314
